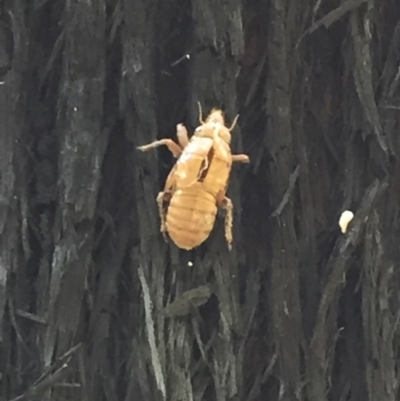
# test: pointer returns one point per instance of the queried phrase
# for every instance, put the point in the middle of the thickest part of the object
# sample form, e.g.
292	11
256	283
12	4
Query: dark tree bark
95	305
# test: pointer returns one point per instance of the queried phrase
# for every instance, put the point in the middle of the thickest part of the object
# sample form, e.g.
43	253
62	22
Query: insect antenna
234	123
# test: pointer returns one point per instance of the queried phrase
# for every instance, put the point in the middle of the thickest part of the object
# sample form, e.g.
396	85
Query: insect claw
240	158
165	237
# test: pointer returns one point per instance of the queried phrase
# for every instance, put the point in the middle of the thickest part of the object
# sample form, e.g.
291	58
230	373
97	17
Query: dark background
94	305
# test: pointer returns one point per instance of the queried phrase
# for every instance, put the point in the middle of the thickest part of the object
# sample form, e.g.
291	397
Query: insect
197	184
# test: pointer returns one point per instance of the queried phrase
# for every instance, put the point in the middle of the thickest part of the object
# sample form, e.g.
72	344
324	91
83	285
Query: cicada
197	184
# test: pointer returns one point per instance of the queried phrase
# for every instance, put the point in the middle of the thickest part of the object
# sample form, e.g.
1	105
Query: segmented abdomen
191	216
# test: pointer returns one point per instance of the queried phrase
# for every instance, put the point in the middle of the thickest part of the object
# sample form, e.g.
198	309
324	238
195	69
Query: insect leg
241	158
216	137
200	114
228	206
173	147
160	202
181	133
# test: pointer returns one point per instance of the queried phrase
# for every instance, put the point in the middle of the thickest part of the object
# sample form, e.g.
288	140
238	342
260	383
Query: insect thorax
211	128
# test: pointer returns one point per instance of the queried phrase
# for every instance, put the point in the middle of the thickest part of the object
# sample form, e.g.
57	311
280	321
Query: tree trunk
95	305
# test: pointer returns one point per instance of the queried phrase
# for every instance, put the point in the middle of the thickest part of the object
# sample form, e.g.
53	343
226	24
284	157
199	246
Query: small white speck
345	219
190	264
285	308
75	109
198	128
188	56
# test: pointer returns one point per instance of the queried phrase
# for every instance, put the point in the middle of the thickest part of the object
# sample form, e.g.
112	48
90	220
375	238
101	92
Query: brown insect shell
191	216
193	207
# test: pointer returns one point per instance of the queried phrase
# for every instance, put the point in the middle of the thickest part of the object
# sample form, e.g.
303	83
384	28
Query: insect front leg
240	158
173	147
227	204
200	114
182	135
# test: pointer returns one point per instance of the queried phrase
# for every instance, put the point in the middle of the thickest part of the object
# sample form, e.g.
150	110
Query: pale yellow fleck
345	219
